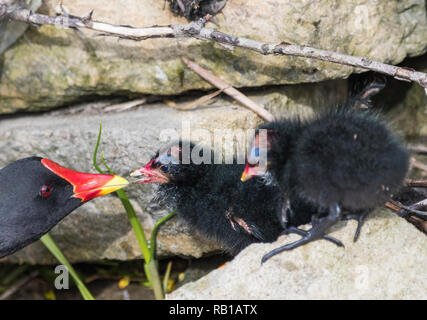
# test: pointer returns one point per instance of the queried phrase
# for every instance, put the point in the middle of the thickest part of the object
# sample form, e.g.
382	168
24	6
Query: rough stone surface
408	102
100	229
387	262
10	31
52	66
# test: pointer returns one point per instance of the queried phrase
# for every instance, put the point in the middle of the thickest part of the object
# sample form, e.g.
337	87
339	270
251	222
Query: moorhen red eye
24	218
46	191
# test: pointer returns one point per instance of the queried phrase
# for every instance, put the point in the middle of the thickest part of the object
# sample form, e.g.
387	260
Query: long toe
333	240
360	218
360	221
295	230
287	247
307	237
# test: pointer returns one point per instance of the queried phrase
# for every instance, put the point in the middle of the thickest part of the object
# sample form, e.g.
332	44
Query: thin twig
120	107
232	92
416	183
422	149
9	292
171	104
202	100
419	221
411	209
197	30
392	206
418	165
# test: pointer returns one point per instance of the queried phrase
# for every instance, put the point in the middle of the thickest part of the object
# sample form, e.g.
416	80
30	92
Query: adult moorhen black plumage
342	160
37	193
211	199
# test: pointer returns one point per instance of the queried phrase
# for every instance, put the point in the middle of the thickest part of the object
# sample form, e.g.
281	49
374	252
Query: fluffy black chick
212	200
342	160
37	193
196	9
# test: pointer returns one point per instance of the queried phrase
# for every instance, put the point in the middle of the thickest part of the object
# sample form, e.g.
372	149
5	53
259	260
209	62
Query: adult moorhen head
36	193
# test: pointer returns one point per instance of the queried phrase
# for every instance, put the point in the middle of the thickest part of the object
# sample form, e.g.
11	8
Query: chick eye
164	169
166	158
253	157
46	190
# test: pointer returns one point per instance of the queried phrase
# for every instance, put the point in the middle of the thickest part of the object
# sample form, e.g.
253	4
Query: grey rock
387	262
408	103
10	30
53	66
100	229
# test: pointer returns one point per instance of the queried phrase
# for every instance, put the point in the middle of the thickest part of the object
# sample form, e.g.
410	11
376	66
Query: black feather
345	160
346	157
213	201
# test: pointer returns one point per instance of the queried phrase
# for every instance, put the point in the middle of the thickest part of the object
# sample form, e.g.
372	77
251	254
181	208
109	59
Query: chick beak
247	174
87	186
147	174
252	171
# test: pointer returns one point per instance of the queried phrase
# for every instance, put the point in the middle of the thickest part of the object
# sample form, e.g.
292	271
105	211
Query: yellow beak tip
115	184
121	181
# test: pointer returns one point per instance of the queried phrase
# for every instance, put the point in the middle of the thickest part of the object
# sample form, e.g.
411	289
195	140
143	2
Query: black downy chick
212	200
295	208
36	193
343	160
196	9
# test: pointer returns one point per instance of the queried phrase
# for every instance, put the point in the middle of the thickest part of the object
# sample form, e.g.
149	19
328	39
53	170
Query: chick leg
305	233
360	218
320	225
284	212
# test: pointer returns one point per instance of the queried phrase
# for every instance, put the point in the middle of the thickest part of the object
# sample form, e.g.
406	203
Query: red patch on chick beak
252	171
86	186
148	174
247	173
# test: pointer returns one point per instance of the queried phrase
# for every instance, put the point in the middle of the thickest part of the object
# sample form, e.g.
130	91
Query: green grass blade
53	248
150	266
153	244
95	152
139	232
167	276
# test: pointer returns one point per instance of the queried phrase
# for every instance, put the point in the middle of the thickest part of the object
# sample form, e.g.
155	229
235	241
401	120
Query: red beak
251	172
87	185
149	175
246	175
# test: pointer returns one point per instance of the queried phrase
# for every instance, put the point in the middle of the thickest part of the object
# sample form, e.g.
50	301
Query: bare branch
9	292
232	92
416	183
411	209
125	105
197	30
202	100
418	165
422	149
